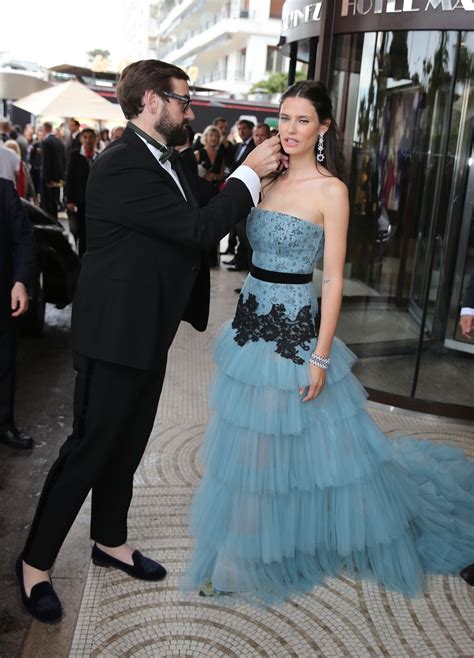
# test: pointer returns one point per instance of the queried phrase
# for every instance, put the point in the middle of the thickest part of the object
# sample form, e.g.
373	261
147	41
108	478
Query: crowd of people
49	167
215	154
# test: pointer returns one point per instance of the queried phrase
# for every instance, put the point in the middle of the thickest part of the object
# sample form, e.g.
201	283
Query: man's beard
174	135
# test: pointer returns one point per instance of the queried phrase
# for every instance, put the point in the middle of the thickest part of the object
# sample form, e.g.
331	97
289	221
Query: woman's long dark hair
317	94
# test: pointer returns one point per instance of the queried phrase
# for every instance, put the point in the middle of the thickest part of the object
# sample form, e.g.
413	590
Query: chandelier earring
320	157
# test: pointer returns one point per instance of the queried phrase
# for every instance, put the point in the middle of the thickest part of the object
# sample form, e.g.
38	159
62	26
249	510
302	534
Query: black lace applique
275	326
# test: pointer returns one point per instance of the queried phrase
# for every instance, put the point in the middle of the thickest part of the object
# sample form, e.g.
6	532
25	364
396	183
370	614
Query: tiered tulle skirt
294	491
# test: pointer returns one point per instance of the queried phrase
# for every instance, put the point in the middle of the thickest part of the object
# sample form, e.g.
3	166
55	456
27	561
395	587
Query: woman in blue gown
299	481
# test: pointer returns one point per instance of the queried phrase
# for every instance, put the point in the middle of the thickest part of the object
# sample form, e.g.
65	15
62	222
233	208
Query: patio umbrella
70	99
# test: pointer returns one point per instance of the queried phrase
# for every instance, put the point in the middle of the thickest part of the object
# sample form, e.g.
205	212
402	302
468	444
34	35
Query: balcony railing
234	76
225	14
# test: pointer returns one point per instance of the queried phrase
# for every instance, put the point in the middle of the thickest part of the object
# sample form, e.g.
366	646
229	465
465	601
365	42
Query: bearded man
144	271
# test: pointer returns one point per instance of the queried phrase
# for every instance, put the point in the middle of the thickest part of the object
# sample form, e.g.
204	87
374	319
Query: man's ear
151	101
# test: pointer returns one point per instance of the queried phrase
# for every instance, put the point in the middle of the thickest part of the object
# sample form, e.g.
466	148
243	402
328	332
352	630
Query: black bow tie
167	152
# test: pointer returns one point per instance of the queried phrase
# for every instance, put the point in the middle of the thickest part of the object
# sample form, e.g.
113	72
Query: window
276	7
274	60
242	59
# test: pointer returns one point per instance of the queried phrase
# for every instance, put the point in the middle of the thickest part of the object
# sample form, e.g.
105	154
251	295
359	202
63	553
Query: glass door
465	259
431	154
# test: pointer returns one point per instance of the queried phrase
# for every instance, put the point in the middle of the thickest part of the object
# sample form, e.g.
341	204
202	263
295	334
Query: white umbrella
70	99
14	84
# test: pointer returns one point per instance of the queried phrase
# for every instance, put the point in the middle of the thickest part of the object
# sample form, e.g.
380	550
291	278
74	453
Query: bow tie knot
167	152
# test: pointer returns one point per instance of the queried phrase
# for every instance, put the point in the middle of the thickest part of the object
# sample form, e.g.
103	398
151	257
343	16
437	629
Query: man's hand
71	207
466	323
266	158
19	299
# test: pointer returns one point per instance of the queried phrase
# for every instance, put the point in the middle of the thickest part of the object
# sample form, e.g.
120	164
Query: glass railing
212	76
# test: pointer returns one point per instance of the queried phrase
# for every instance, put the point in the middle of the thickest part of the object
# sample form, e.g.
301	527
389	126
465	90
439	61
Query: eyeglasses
185	100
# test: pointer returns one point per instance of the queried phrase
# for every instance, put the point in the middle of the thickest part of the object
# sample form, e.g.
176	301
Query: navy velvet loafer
143	567
43	603
468	574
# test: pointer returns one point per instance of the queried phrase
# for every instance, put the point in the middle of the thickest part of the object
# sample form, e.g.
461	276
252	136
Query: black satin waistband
279	277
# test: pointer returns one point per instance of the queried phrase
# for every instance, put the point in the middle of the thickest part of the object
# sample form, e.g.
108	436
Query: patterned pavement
123	617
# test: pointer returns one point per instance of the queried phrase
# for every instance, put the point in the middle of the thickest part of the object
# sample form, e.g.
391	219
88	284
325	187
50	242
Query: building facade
401	77
226	45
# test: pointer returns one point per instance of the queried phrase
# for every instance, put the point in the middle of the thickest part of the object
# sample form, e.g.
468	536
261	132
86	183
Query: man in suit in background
144	272
466	320
226	147
53	168
260	133
17	267
186	152
243	255
74	140
116	133
78	169
241	151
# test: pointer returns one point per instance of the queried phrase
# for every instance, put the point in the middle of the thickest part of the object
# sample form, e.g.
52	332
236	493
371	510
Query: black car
57	271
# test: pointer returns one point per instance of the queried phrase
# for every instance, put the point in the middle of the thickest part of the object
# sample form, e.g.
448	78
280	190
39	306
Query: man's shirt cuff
250	179
467	311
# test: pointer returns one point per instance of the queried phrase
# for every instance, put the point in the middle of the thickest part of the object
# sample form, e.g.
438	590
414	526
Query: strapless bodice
284	243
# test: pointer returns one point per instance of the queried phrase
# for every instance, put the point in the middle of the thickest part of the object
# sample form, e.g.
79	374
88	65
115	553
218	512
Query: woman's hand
318	380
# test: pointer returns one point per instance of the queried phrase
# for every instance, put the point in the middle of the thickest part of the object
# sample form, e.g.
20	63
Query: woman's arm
197	155
336	219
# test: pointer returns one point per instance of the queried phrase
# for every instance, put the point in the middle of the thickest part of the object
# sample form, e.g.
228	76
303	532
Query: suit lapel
142	151
177	166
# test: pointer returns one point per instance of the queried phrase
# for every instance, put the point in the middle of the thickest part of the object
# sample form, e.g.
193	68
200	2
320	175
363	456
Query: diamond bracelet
319	361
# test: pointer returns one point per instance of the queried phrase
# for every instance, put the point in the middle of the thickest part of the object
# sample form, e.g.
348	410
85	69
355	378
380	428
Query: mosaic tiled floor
123	617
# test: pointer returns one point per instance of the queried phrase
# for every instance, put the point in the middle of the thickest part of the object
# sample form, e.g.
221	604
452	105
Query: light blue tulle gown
294	491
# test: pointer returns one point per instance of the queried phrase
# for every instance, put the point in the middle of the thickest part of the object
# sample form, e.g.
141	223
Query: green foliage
276	83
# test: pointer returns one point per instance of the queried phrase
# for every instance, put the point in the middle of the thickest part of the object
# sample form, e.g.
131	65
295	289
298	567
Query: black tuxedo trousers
114	412
142	274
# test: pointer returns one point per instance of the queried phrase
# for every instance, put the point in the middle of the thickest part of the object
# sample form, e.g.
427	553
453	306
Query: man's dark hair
145	74
88	130
248	123
218	120
263	125
48	126
75	121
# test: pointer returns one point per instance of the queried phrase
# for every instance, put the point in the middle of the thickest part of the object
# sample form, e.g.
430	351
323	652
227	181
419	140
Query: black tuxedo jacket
188	160
53	159
17	245
144	269
239	156
78	170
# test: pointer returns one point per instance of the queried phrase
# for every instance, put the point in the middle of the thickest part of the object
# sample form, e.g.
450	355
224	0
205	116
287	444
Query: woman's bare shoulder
334	188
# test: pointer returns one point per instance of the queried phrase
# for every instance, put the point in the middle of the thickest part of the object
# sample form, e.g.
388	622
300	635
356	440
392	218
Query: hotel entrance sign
301	20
